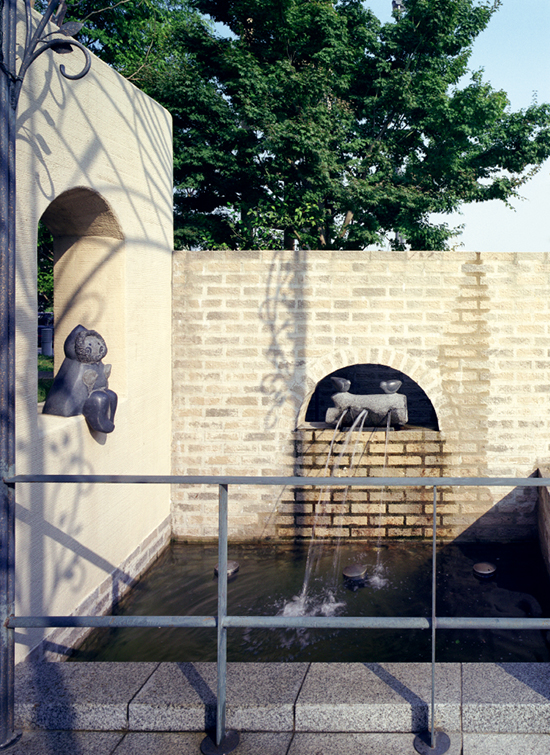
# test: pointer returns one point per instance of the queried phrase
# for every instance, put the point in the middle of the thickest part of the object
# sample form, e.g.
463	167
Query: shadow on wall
512	518
88	240
284	317
366	379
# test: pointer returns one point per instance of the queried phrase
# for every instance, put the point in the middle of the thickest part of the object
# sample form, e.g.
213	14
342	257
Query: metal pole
7	369
222	613
433	742
225	741
434	564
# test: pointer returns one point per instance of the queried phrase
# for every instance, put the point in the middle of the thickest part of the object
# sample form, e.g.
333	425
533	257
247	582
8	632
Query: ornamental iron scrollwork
61	41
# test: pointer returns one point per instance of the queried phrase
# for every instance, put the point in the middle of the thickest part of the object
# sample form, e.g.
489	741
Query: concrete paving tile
81	696
506	697
188	743
505	744
66	743
182	697
361	744
378	697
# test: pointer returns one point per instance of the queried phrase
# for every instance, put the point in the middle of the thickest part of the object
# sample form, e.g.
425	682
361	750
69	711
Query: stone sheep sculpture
377	405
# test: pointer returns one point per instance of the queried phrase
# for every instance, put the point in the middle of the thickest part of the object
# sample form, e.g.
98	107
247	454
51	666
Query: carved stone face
90	347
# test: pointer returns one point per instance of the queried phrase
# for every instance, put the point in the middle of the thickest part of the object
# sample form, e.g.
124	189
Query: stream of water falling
319	599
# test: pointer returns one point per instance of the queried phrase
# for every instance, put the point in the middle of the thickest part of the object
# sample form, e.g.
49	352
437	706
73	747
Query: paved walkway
281	708
254	743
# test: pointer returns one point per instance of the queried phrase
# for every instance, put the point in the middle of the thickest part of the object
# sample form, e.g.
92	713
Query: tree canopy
311	123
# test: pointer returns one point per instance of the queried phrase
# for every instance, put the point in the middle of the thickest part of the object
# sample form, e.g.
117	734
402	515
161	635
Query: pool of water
398	583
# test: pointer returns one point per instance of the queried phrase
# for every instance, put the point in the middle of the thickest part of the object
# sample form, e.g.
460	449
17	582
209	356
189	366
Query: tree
313	123
133	36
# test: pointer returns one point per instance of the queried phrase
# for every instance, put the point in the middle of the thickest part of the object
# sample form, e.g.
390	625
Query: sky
514	53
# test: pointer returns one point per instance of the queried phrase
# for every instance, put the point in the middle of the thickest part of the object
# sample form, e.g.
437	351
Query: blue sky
513	51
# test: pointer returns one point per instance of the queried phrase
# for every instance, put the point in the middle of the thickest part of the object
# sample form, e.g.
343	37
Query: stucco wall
254	332
79	545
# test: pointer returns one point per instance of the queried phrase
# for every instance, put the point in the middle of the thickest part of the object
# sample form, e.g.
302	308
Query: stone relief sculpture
377	405
81	385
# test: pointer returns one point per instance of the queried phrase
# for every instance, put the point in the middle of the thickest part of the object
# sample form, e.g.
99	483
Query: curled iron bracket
60	41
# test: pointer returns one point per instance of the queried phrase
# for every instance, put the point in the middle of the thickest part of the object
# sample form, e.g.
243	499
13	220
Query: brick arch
428	378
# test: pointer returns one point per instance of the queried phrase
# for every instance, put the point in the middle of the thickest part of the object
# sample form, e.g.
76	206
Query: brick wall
254	332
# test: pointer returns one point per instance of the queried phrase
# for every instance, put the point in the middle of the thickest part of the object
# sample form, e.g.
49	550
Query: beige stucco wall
79	545
254	332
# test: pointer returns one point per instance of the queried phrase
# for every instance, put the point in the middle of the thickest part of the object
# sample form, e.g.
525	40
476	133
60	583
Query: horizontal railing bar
475	622
280	622
328	622
112	621
298	481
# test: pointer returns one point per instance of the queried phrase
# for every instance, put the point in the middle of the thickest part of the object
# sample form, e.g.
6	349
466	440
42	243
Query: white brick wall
254	332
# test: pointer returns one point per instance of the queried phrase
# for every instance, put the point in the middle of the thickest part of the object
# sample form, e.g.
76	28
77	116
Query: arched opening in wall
414	449
366	379
88	273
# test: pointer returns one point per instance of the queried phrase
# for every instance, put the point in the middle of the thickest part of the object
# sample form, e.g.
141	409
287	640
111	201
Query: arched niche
89	273
365	379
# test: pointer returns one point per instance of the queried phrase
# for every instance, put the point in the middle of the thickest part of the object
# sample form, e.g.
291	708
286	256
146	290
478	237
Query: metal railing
227	741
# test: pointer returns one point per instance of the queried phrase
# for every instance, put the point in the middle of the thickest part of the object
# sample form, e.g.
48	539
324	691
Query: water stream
322	600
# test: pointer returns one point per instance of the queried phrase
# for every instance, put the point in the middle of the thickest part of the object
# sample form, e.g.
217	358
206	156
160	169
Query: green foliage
44	386
45	269
314	124
133	36
45	364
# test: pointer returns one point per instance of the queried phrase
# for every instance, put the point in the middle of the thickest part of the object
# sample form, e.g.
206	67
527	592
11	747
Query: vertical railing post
434	587
222	613
225	741
7	590
7	365
433	742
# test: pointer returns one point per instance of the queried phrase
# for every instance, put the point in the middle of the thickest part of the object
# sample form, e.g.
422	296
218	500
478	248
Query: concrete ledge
77	696
182	697
477	699
363	744
506	744
378	697
68	743
268	743
150	743
506	697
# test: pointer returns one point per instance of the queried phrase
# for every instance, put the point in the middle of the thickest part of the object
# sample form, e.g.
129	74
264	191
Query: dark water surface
270	581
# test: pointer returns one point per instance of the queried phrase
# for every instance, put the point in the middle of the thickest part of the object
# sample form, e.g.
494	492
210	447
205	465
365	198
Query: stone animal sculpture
377	405
81	385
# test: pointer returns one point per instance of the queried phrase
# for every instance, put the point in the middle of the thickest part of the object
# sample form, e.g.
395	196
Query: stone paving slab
164	743
506	697
506	744
262	743
81	696
67	743
182	697
378	697
364	744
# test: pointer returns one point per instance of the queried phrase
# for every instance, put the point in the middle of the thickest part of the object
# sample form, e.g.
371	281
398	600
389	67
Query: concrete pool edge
392	698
